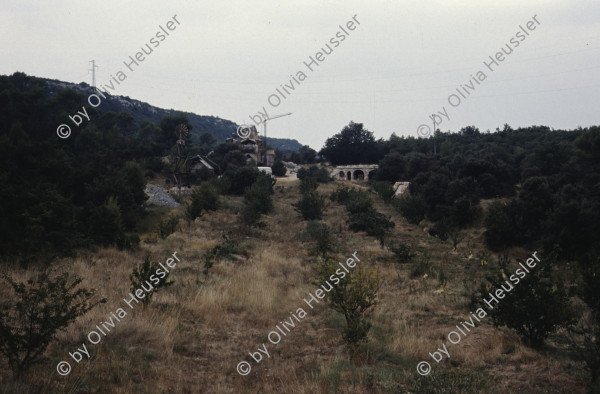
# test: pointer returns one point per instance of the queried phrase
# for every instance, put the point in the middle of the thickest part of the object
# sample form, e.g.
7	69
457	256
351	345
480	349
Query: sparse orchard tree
311	205
40	308
534	308
141	277
354	296
279	168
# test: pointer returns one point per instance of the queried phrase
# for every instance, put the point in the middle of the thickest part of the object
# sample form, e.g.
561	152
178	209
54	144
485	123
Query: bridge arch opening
359	175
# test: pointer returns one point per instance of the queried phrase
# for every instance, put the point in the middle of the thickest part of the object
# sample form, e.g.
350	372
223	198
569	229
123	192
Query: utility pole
93	70
265	130
434	147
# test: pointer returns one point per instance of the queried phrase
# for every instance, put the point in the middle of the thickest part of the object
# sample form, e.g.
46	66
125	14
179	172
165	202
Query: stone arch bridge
354	172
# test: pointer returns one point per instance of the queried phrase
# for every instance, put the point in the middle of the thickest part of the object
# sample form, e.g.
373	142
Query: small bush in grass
257	201
167	226
354	296
311	205
441	229
413	208
259	194
279	168
422	267
221	251
402	252
250	214
373	223
323	175
342	194
453	381
359	202
204	198
320	233
320	174
41	307
239	179
141	277
308	185
535	307
384	190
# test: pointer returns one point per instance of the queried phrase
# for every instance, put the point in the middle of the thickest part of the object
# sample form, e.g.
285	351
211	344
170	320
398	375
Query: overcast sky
398	66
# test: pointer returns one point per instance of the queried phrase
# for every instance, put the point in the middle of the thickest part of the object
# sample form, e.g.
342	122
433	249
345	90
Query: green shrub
421	267
308	185
453	381
311	205
373	223
464	212
359	202
259	194
167	226
279	168
128	241
201	175
441	229
257	201
204	198
354	296
239	179
503	225
224	250
342	194
384	190
402	252
106	222
320	174
41	307
250	214
413	208
320	233
534	308
141	276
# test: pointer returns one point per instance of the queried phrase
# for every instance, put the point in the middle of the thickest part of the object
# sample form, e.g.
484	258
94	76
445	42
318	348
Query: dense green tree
279	168
307	155
353	145
206	143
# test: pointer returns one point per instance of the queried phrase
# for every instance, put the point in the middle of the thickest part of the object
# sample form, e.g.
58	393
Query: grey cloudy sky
395	69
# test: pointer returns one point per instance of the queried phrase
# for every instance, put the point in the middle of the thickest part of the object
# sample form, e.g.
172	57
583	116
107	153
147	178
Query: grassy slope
192	336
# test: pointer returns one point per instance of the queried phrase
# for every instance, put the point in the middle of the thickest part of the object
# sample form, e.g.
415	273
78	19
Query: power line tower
93	70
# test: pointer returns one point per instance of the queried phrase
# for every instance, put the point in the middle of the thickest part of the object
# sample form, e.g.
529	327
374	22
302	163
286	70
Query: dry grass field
195	332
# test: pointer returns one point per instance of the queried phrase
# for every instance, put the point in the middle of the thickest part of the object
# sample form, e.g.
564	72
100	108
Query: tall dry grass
194	333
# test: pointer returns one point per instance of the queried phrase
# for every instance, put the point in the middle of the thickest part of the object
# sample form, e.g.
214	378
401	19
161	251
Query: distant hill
219	128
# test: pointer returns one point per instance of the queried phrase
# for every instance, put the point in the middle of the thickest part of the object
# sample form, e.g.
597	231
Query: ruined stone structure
252	145
354	172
